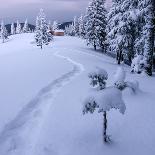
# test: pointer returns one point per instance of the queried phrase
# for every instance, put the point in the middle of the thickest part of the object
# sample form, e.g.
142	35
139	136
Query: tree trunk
41	46
119	57
105	127
95	47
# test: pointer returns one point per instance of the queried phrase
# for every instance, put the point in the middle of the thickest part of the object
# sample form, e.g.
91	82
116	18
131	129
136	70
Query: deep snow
41	95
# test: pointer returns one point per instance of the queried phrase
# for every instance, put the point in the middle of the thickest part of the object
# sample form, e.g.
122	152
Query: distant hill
8	26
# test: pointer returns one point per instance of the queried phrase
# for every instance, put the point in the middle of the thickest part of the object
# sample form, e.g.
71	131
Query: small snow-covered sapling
103	99
98	78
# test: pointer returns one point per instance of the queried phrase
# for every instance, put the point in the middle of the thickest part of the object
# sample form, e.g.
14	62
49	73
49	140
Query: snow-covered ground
41	95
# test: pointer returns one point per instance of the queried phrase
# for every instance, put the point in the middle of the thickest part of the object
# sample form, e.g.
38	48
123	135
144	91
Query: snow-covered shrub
119	78
120	83
137	65
103	98
98	78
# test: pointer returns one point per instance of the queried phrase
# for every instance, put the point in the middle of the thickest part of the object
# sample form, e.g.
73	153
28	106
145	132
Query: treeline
16	28
127	30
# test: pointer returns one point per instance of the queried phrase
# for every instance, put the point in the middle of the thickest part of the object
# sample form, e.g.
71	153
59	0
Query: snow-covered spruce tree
144	44
18	28
82	31
76	26
148	13
55	26
49	26
26	27
121	29
3	32
96	24
13	29
69	30
41	33
103	99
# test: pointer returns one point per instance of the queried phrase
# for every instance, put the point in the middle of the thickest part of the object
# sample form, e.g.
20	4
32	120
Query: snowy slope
41	96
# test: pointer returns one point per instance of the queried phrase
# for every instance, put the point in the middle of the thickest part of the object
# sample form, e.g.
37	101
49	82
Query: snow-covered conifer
82	31
13	29
98	78
76	26
148	13
3	32
121	29
96	24
103	99
18	27
49	26
55	26
26	27
42	35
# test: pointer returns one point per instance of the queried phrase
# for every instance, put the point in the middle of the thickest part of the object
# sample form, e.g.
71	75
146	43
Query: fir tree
3	32
104	99
96	24
76	26
82	31
148	13
42	35
26	27
55	26
13	29
18	27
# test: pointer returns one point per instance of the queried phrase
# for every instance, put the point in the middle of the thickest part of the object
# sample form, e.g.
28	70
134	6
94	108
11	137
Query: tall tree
3	32
76	26
82	30
18	27
148	13
13	29
41	36
55	26
96	23
26	27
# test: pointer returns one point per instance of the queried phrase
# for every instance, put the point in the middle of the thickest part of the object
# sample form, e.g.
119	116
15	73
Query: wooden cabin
59	33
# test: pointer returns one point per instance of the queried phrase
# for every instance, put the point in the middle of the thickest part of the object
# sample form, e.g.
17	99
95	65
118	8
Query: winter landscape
83	86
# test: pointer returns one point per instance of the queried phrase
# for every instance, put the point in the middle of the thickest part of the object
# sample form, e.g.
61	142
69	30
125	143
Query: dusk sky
61	10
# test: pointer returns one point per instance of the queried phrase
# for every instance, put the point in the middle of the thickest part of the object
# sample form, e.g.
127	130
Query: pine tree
18	27
13	29
55	26
121	29
42	35
148	30
82	31
26	27
3	32
69	30
104	99
49	26
76	26
96	24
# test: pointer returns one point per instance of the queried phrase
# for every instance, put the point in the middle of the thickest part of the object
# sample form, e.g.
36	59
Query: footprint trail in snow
19	136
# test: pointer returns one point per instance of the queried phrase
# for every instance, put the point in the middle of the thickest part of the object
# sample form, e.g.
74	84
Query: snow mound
119	75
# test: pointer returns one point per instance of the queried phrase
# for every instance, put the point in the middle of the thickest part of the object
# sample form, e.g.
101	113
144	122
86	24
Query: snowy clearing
41	95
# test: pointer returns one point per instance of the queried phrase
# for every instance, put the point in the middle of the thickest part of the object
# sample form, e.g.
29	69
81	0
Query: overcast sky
61	10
